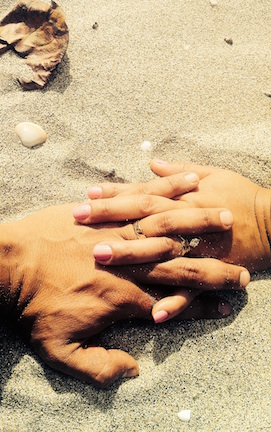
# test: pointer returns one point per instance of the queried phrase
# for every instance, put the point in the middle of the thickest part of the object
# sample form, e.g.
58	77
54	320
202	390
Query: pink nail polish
160	316
81	212
102	252
160	162
95	192
192	177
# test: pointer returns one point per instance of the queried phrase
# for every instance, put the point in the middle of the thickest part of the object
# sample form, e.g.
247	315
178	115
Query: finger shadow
176	334
12	349
136	337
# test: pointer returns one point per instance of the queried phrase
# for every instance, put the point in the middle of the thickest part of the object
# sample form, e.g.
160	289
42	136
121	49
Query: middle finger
123	208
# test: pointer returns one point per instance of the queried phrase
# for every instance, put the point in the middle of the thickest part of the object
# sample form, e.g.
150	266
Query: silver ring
138	231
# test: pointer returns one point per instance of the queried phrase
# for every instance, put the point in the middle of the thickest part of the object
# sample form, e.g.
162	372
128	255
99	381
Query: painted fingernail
81	212
160	316
130	373
191	178
224	309
226	218
102	252
95	192
160	161
244	278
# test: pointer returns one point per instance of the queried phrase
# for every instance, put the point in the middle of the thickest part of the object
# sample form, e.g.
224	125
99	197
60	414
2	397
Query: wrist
263	216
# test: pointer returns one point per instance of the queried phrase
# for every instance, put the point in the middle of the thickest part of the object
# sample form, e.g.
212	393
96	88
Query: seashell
146	145
38	32
184	415
30	134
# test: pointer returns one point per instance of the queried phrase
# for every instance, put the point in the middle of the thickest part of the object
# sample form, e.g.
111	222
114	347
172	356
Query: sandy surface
158	71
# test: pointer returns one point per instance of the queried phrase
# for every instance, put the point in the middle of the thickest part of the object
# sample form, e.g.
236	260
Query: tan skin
246	243
59	297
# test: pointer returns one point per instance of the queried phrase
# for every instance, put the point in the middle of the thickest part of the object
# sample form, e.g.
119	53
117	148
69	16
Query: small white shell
146	145
184	415
30	134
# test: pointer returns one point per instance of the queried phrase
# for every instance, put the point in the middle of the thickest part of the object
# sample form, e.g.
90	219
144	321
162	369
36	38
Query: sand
157	71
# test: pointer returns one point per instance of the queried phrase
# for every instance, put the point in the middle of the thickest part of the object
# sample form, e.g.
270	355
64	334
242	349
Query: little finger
199	273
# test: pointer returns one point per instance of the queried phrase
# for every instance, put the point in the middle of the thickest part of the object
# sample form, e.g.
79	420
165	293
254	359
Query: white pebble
184	415
30	134
146	145
213	2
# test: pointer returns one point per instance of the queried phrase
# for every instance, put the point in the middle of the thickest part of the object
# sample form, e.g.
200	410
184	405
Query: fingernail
160	161
130	373
226	218
95	192
160	316
81	212
191	178
224	309
102	252
244	278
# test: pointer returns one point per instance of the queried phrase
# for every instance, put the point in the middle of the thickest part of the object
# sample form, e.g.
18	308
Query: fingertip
159	161
130	373
81	212
95	192
224	309
158	164
226	218
192	178
244	278
160	316
102	253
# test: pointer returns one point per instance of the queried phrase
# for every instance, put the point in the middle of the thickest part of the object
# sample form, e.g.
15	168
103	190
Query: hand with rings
59	298
198	211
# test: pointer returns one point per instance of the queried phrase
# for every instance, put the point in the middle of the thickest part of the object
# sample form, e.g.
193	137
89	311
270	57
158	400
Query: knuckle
166	224
169	249
206	219
190	271
145	204
143	188
228	279
105	208
52	354
173	182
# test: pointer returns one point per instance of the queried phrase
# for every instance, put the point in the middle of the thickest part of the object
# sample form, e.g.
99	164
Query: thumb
98	365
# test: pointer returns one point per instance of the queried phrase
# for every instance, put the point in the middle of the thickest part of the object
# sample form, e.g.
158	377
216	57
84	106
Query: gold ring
138	230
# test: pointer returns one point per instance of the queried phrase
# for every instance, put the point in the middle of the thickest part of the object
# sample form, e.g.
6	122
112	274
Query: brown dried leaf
38	32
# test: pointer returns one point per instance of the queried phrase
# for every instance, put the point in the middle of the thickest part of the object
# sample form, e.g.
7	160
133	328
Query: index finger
169	187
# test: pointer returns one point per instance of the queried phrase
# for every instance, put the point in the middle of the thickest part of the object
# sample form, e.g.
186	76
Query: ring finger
158	247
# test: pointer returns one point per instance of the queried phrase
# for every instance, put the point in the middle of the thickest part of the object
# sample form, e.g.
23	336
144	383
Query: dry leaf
38	32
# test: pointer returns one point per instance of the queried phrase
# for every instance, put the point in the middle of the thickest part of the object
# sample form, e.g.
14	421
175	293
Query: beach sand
159	71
